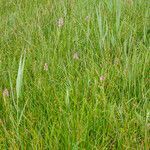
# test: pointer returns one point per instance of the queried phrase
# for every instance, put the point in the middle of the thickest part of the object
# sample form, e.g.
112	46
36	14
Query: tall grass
83	81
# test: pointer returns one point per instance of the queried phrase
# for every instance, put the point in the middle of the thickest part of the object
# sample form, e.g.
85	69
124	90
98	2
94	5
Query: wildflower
60	22
5	93
101	78
87	18
75	56
46	67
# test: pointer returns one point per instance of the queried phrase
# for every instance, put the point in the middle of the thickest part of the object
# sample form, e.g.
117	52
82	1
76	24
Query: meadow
75	74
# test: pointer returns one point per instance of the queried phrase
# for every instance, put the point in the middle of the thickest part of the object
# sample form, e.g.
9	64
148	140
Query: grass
74	74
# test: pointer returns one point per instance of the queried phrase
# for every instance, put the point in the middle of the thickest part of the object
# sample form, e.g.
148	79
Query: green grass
94	91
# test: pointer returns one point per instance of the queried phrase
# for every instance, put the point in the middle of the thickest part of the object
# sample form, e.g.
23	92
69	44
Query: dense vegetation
74	74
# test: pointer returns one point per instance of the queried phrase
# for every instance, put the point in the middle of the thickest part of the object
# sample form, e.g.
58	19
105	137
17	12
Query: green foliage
83	81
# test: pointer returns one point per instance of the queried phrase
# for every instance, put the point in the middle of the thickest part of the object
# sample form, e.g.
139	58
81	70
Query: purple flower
101	78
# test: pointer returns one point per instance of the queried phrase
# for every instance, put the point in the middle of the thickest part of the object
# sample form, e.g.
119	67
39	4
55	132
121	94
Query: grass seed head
46	67
87	18
60	22
76	56
129	2
5	93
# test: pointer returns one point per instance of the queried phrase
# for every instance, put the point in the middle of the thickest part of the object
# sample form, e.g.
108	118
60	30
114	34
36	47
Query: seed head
129	2
76	56
87	18
60	22
46	67
5	93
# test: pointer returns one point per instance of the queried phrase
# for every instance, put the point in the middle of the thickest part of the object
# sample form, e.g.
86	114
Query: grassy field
75	74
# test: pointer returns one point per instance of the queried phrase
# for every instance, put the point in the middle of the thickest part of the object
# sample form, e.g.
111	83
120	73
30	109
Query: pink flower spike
46	67
101	78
